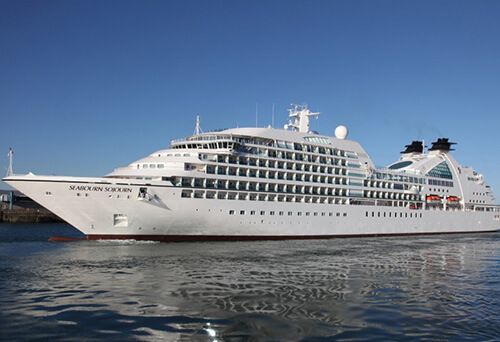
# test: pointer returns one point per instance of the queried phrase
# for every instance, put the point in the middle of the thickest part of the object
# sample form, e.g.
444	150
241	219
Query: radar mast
300	118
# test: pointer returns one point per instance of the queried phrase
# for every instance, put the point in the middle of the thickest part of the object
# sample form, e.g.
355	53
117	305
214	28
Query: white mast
197	127
272	118
299	118
257	114
10	155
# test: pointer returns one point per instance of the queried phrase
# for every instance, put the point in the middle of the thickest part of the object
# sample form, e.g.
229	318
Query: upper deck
295	160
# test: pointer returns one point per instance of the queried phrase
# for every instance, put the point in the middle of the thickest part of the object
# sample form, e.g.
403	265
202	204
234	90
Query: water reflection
356	289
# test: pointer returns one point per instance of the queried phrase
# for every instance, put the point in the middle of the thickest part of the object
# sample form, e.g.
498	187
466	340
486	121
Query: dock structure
15	207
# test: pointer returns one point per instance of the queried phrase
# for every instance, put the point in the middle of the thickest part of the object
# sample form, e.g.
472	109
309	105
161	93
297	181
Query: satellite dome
341	132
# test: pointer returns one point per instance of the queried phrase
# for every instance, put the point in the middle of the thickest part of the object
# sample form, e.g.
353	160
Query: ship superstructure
267	183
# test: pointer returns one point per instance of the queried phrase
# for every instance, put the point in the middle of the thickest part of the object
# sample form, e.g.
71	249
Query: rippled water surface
418	288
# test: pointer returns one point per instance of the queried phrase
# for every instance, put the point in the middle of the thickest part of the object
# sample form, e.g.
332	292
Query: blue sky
86	86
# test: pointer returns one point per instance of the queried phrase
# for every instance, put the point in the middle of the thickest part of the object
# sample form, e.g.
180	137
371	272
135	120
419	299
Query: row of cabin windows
393	214
440	182
488	209
439	190
265	173
276	158
291	188
160	165
151	166
265	145
262	197
205	146
314	158
177	155
387	185
399	177
292	176
270	197
285	145
246	185
479	193
258	150
289	213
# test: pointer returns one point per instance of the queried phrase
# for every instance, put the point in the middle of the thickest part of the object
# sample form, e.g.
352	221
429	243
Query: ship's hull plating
102	210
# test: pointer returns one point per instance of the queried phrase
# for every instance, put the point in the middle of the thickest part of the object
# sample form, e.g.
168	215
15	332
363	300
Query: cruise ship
266	183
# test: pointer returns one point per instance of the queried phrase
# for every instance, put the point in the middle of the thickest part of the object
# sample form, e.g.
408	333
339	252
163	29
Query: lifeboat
433	198
453	199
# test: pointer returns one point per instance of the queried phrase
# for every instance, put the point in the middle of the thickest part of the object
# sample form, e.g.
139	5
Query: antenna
272	117
10	155
257	114
197	127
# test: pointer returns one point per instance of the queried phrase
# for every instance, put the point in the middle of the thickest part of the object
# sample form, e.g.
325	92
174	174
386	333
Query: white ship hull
265	183
102	209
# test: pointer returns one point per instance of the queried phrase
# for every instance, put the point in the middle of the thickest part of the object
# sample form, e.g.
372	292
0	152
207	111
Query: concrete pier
17	208
27	215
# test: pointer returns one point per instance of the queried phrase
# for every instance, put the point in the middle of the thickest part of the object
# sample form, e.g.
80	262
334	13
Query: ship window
144	166
252	212
262	212
231	212
242	212
152	166
400	165
441	171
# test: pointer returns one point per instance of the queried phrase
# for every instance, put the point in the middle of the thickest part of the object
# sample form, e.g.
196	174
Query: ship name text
98	188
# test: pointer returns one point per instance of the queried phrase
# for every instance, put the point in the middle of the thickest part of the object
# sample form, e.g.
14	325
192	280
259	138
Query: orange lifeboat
453	199
433	198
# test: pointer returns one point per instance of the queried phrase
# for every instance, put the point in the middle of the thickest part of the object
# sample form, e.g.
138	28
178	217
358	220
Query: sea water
443	287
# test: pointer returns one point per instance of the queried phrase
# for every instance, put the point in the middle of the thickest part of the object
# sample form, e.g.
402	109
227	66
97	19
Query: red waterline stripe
185	238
